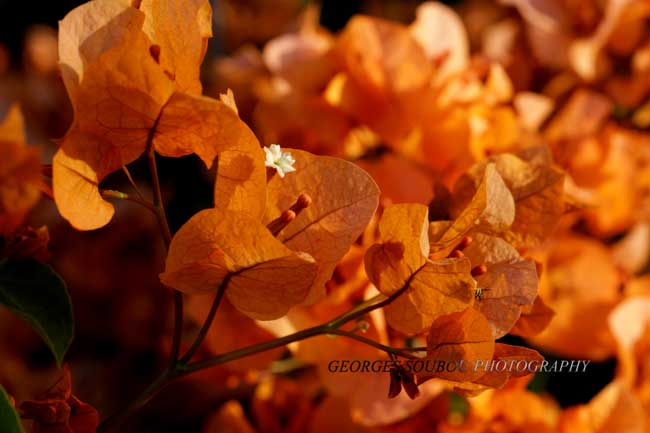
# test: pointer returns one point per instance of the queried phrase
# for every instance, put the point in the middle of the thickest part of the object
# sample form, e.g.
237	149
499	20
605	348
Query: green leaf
9	419
37	294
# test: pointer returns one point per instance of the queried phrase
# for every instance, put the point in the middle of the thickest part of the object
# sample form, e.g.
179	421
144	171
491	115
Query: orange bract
117	92
428	289
580	280
207	127
536	187
534	319
509	282
222	249
206	251
133	85
344	199
412	258
463	336
630	326
20	173
439	30
506	283
383	58
510	143
180	30
484	204
614	409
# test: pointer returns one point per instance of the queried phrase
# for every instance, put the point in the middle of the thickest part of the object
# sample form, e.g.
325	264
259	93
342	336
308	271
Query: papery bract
117	92
344	199
225	250
462	336
400	264
138	88
20	176
537	190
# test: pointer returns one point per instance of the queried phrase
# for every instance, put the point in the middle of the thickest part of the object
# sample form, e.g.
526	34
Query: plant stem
115	419
368	306
126	171
178	330
171	371
157	198
109	193
206	325
329	328
323	329
360	307
182	367
251	350
392	350
167	236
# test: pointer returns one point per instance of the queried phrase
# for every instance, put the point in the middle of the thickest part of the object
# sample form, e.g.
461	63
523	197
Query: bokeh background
122	315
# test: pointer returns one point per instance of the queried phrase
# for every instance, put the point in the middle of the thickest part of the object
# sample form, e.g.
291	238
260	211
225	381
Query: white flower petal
281	161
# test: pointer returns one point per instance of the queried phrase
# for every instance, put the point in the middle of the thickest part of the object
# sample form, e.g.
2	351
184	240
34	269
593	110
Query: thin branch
157	198
117	418
178	368
388	349
109	193
368	306
167	236
46	189
172	369
362	306
206	325
331	327
251	350
292	338
178	330
132	182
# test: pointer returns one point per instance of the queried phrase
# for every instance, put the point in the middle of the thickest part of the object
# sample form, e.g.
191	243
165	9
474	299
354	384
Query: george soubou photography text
460	365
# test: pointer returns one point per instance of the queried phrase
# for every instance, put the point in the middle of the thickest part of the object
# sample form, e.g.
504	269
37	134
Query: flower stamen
277	225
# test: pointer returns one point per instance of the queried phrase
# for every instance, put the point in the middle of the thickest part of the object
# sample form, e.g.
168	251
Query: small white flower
281	161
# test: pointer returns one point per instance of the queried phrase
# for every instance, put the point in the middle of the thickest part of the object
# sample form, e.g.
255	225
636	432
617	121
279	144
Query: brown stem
179	368
206	325
252	350
178	330
109	193
328	328
388	349
126	171
157	198
172	369
167	236
117	418
331	327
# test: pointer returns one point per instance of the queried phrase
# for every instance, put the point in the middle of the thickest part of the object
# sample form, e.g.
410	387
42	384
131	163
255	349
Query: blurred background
122	314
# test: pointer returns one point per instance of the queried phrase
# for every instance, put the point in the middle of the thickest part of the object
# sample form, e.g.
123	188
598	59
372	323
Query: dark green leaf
36	293
9	419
